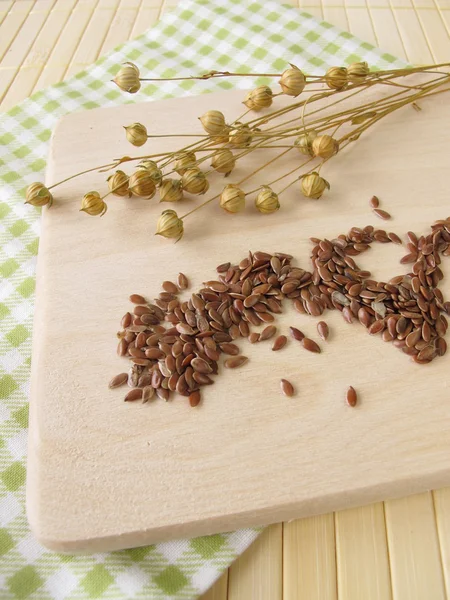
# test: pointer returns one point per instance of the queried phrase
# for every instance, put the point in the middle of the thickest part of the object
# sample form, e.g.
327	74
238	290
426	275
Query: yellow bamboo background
396	550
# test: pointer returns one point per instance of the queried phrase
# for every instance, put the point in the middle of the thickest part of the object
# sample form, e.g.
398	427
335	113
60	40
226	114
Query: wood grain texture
58	62
416	568
71	405
94	36
39	54
219	591
362	557
22	44
309	559
258	573
442	515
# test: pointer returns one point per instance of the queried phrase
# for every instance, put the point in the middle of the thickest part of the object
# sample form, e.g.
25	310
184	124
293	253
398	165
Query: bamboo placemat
45	41
397	550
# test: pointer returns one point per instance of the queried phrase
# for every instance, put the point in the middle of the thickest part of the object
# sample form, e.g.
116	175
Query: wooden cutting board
104	474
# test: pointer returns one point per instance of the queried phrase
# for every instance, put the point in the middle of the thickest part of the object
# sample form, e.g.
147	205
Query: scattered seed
134	394
310	345
382	214
169	287
142	310
287	388
298	305
268	332
217	286
163	393
427	353
201	378
364	317
412	238
441	346
194	398
200	365
394	238
408	258
122	347
352	397
118	380
253	337
376	327
236	361
275	263
126	320
223	268
323	330
182	281
228	348
296	333
339	298
279	342
147	393
374	202
137	299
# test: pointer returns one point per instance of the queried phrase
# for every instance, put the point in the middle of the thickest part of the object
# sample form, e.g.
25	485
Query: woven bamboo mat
397	550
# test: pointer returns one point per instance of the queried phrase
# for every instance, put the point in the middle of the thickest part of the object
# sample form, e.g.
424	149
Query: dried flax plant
316	128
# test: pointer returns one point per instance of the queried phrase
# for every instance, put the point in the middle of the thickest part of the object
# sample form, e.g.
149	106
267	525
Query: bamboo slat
258	572
309	559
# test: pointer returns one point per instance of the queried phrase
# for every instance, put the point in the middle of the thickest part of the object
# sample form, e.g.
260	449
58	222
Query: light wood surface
397	26
277	459
309	559
259	575
413	539
360	532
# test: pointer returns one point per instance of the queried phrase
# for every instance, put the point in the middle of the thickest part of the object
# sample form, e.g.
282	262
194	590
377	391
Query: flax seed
351	397
310	345
383	214
235	361
200	365
427	353
287	388
228	348
441	346
279	342
118	380
137	299
133	395
394	238
182	281
147	393
253	338
194	398
267	333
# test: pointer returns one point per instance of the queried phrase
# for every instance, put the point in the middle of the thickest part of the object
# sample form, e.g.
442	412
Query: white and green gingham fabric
195	38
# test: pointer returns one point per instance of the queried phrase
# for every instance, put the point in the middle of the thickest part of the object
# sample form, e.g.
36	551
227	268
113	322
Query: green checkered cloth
195	38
